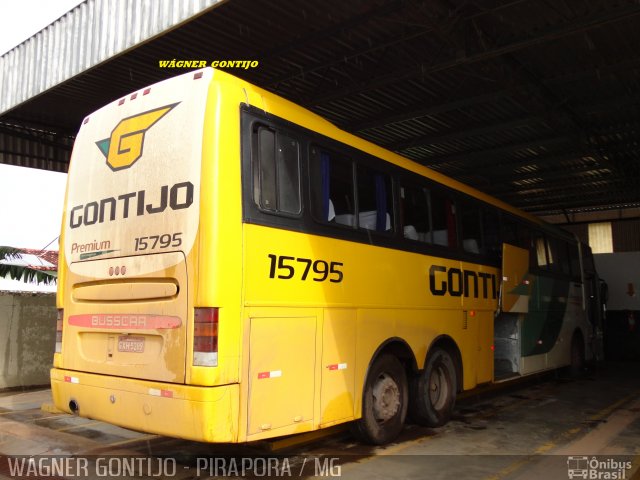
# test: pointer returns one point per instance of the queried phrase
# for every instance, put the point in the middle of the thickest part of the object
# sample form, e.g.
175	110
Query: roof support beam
462	133
400	115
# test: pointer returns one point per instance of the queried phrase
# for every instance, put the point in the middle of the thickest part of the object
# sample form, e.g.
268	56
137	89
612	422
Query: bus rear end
135	345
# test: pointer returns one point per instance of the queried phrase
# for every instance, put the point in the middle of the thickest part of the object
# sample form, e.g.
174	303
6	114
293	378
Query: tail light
59	322
205	337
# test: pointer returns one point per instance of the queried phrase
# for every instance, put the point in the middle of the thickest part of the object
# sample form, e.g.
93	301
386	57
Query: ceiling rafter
422	69
463	132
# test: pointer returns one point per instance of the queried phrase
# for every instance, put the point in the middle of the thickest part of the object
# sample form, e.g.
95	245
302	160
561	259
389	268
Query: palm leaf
9	253
20	272
26	274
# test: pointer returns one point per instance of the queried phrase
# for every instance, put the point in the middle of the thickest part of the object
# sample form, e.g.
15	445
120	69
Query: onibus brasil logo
597	468
124	147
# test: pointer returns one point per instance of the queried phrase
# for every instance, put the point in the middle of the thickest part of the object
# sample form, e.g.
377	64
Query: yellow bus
234	267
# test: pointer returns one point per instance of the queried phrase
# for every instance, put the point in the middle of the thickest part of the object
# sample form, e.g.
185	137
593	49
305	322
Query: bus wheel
384	402
433	391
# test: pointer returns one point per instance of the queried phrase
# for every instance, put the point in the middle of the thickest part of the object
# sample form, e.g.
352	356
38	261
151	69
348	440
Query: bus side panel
573	318
479	303
385	293
281	379
338	366
476	340
417	327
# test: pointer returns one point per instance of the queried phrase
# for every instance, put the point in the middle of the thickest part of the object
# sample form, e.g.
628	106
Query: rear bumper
205	414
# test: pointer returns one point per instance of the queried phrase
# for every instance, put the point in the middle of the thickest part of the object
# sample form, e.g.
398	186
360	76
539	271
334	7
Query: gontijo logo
124	146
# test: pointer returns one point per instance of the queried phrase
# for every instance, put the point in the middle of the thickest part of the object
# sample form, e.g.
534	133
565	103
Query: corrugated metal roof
34	148
94	31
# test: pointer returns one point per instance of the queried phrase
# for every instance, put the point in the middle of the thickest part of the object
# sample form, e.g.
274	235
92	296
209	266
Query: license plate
130	344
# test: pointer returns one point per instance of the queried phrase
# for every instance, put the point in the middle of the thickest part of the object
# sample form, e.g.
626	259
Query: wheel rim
438	387
386	398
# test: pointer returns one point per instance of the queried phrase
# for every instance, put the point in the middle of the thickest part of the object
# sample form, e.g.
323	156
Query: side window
443	213
375	200
331	180
415	212
276	171
553	254
471	228
509	231
539	250
491	233
525	239
563	258
558	255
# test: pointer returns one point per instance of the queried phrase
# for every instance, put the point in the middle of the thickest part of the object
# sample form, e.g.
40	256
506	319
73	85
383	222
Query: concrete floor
538	429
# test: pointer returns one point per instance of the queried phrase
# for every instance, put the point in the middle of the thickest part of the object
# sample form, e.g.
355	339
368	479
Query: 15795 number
319	270
165	240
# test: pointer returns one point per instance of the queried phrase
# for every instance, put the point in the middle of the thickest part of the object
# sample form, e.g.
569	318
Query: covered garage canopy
533	101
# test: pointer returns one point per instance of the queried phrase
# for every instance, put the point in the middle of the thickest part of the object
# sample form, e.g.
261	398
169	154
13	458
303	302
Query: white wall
27	338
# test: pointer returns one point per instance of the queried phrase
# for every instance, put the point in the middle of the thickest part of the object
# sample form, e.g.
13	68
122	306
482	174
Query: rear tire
384	402
433	391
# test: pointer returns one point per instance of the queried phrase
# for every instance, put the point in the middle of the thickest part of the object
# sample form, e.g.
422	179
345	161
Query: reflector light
121	101
156	392
197	75
337	366
134	96
146	91
205	337
59	323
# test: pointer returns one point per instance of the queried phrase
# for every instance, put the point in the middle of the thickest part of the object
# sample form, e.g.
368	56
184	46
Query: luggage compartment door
281	372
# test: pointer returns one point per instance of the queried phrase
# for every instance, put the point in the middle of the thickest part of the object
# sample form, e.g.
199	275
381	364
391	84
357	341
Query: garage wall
621	271
27	338
625	233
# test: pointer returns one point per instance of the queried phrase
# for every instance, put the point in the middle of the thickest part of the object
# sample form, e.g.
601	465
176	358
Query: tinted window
276	168
331	179
443	230
558	255
509	231
375	200
415	212
471	228
491	233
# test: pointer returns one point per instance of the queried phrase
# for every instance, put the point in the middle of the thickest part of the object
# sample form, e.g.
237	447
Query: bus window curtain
452	235
381	203
325	175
